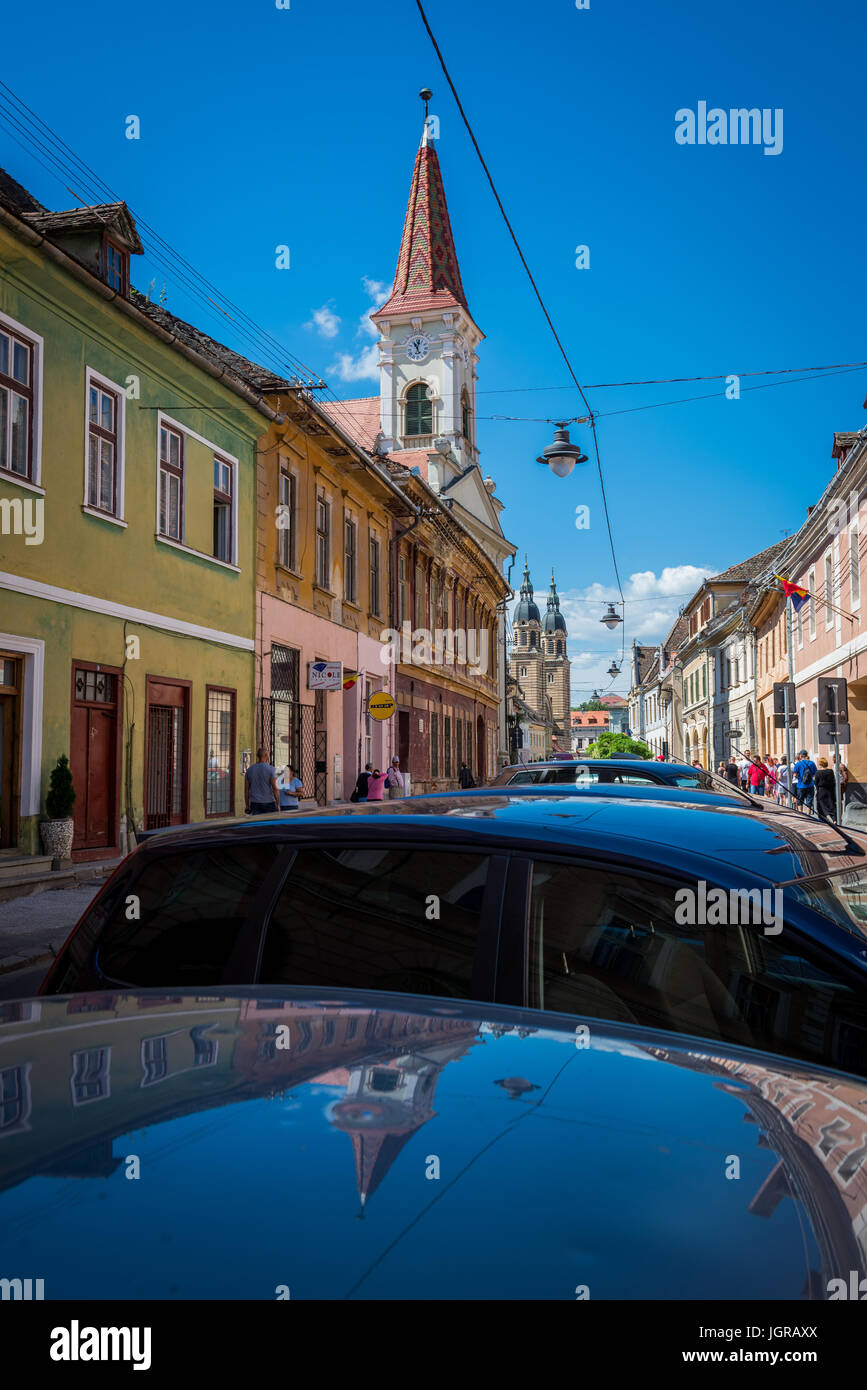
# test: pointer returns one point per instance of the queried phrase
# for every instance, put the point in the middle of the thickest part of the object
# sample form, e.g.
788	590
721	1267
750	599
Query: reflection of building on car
361	1094
564	902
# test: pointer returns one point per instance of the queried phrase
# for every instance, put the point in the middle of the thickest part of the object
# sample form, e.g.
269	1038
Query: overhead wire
531	278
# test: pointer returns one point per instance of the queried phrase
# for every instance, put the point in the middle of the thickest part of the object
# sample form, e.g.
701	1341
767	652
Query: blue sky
263	127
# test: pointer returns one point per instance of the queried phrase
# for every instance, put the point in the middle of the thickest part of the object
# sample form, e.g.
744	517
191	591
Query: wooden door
8	770
167	760
94	756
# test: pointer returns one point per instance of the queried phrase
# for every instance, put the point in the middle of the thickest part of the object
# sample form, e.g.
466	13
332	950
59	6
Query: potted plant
57	830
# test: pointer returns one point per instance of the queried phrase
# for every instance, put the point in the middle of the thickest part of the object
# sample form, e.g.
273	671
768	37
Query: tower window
465	416
419	410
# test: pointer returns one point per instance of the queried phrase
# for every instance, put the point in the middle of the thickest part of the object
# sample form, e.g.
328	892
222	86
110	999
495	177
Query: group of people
372	784
266	789
811	787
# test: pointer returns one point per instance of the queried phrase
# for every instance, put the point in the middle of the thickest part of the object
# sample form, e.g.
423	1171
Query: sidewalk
32	929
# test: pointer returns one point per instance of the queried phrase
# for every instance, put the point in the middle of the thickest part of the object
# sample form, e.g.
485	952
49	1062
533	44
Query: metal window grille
220	770
285	673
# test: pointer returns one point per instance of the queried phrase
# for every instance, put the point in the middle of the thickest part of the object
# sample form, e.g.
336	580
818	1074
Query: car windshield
842	897
708	782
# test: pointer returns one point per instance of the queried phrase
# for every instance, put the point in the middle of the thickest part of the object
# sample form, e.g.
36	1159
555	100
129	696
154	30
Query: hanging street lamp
611	618
562	456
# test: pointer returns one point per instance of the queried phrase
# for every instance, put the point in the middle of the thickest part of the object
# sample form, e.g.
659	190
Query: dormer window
115	262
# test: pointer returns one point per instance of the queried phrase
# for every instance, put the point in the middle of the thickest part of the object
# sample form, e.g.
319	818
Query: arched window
419	410
465	415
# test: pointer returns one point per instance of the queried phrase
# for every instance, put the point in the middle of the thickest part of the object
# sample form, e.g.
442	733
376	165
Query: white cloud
325	322
360	368
377	292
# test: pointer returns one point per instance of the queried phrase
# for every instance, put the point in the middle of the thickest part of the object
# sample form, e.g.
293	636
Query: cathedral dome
526	611
554	620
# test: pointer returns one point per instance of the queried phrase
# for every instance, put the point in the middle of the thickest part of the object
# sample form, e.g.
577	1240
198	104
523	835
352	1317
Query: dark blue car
366	1147
707	920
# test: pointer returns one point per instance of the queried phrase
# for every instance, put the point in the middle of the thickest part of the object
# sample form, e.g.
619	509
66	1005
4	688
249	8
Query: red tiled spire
427	275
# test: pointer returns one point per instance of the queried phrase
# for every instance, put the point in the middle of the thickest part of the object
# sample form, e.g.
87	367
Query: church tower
525	659
556	664
428	337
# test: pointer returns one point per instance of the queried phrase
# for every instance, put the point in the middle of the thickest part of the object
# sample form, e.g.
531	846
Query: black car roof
677	834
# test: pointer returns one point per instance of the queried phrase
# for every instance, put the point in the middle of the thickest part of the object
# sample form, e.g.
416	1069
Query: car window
688	780
180	918
581	776
392	919
635	779
611	944
523	778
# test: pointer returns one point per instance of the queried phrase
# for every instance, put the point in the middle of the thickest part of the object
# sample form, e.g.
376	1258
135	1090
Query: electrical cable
542	304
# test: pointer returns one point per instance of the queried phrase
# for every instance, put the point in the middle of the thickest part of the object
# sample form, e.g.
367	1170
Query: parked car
571	903
629	770
493	1153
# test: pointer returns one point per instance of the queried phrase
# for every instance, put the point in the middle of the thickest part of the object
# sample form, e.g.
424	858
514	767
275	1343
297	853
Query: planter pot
57	837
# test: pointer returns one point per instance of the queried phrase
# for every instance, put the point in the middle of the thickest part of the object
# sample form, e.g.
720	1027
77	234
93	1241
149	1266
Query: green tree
61	793
612	745
591	705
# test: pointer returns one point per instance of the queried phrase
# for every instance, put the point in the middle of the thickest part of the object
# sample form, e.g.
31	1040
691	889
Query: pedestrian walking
744	766
465	777
782	782
843	774
289	785
732	771
804	773
826	791
721	770
375	784
260	786
771	783
359	791
394	780
757	775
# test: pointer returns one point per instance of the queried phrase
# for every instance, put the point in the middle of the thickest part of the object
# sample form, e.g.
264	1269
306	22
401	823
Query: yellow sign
381	706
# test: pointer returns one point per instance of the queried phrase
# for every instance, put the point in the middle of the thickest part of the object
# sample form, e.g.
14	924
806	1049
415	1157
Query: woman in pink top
375	784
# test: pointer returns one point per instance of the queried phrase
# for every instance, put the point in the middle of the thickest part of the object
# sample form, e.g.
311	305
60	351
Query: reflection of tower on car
386	1103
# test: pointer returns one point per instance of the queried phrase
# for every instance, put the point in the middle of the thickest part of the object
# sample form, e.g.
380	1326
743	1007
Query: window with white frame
799	626
171	514
811	585
323	542
18	402
90	1075
224	511
287	520
104	447
829	590
855	565
350	559
814	748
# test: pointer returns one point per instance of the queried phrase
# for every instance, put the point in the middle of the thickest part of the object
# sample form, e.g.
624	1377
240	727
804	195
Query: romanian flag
350	681
798	595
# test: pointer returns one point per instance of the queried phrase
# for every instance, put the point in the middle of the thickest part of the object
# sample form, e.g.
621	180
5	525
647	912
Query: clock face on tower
417	347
